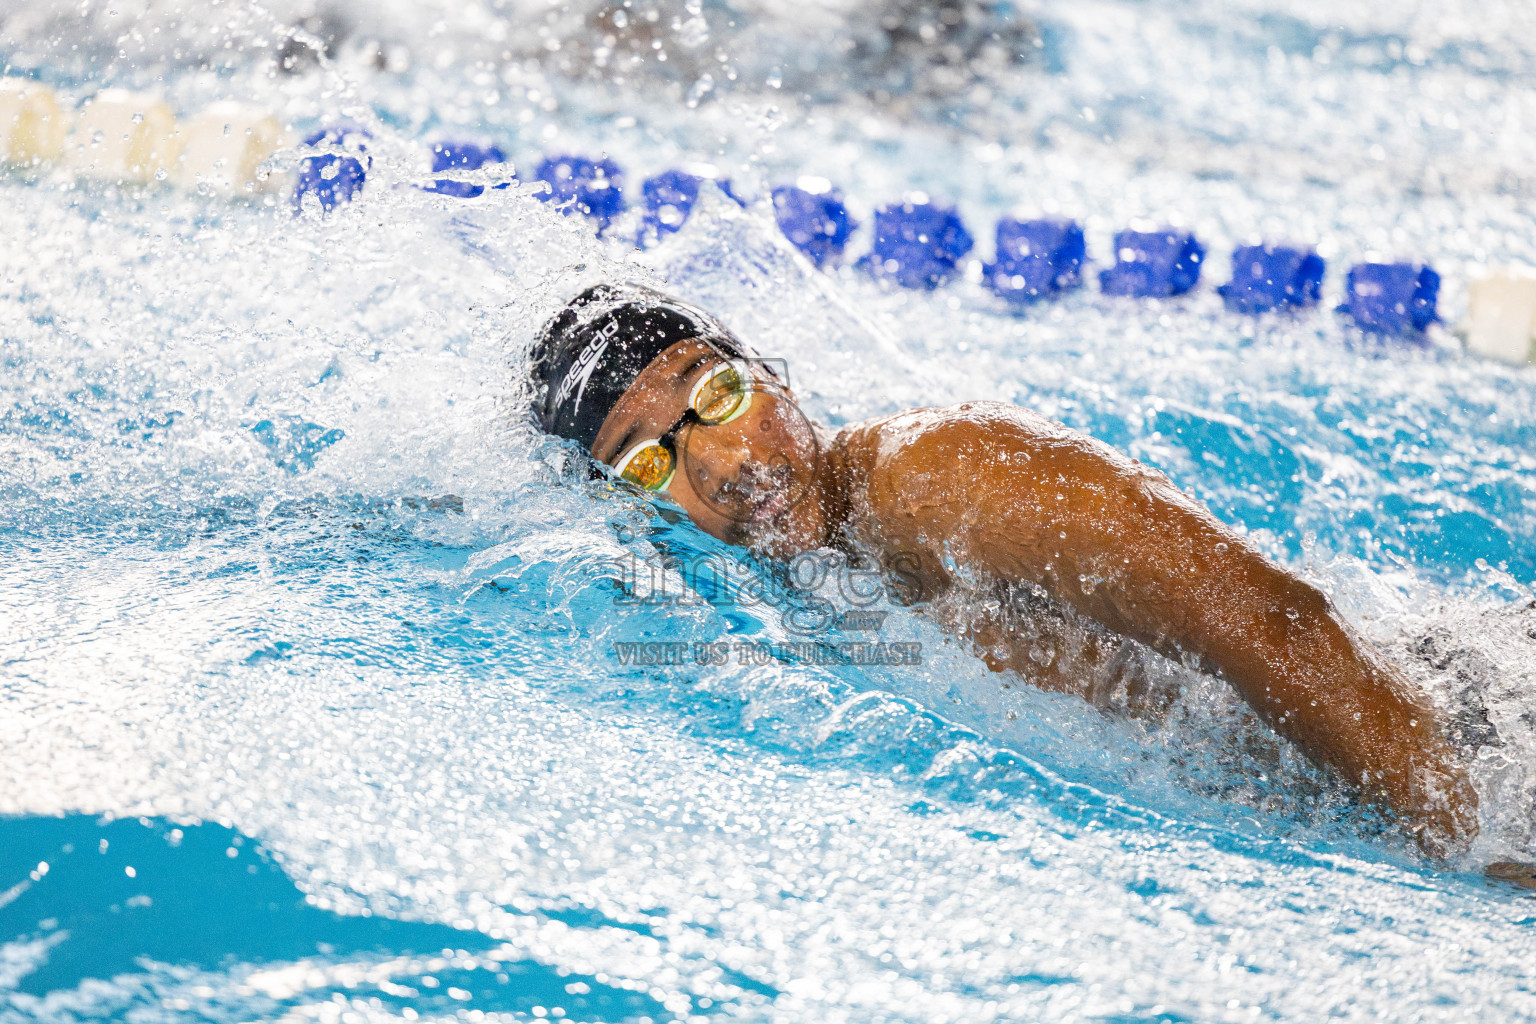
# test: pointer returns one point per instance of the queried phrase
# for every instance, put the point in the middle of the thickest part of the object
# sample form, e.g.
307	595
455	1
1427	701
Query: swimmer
989	495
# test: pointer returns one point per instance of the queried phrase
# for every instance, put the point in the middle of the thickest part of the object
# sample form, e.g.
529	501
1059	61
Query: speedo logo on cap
581	369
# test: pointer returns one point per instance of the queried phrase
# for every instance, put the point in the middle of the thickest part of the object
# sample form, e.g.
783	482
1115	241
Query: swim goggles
721	395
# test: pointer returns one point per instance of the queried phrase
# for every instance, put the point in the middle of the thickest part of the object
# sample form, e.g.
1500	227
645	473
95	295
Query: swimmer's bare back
990	488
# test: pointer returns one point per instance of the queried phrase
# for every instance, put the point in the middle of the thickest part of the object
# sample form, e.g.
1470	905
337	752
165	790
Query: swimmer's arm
1027	500
1051	652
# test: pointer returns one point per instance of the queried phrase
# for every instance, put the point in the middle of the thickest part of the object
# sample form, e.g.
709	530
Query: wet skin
990	491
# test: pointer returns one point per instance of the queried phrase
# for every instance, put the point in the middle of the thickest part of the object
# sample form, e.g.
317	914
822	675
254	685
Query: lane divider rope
918	242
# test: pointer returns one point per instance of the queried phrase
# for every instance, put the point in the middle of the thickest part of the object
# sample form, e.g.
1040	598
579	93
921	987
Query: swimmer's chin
782	537
778	547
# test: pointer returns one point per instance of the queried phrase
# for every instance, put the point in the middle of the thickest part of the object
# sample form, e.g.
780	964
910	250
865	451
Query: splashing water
289	578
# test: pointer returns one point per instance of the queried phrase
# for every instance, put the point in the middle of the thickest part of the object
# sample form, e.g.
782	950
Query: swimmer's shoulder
972	455
982	429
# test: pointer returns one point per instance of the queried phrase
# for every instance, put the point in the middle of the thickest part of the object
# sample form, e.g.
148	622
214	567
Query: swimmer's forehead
657	397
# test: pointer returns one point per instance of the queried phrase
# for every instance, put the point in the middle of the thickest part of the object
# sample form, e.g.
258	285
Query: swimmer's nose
727	471
711	461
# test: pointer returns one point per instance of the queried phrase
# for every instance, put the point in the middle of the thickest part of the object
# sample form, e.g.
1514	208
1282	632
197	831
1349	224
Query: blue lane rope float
448	155
918	243
1268	276
578	184
1036	259
812	216
1391	298
331	178
1153	264
668	199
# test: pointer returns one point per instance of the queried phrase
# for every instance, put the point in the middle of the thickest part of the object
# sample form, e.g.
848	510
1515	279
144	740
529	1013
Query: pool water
317	684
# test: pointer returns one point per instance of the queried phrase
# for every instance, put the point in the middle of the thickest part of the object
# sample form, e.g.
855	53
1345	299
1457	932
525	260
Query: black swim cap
594	348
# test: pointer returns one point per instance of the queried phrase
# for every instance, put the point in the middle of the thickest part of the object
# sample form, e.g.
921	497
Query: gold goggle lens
722	395
650	466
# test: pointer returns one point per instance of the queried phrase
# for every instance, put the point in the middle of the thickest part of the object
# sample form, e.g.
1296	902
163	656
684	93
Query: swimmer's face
750	479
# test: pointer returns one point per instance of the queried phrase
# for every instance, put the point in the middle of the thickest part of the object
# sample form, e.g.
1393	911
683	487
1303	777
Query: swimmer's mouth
764	492
769	505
